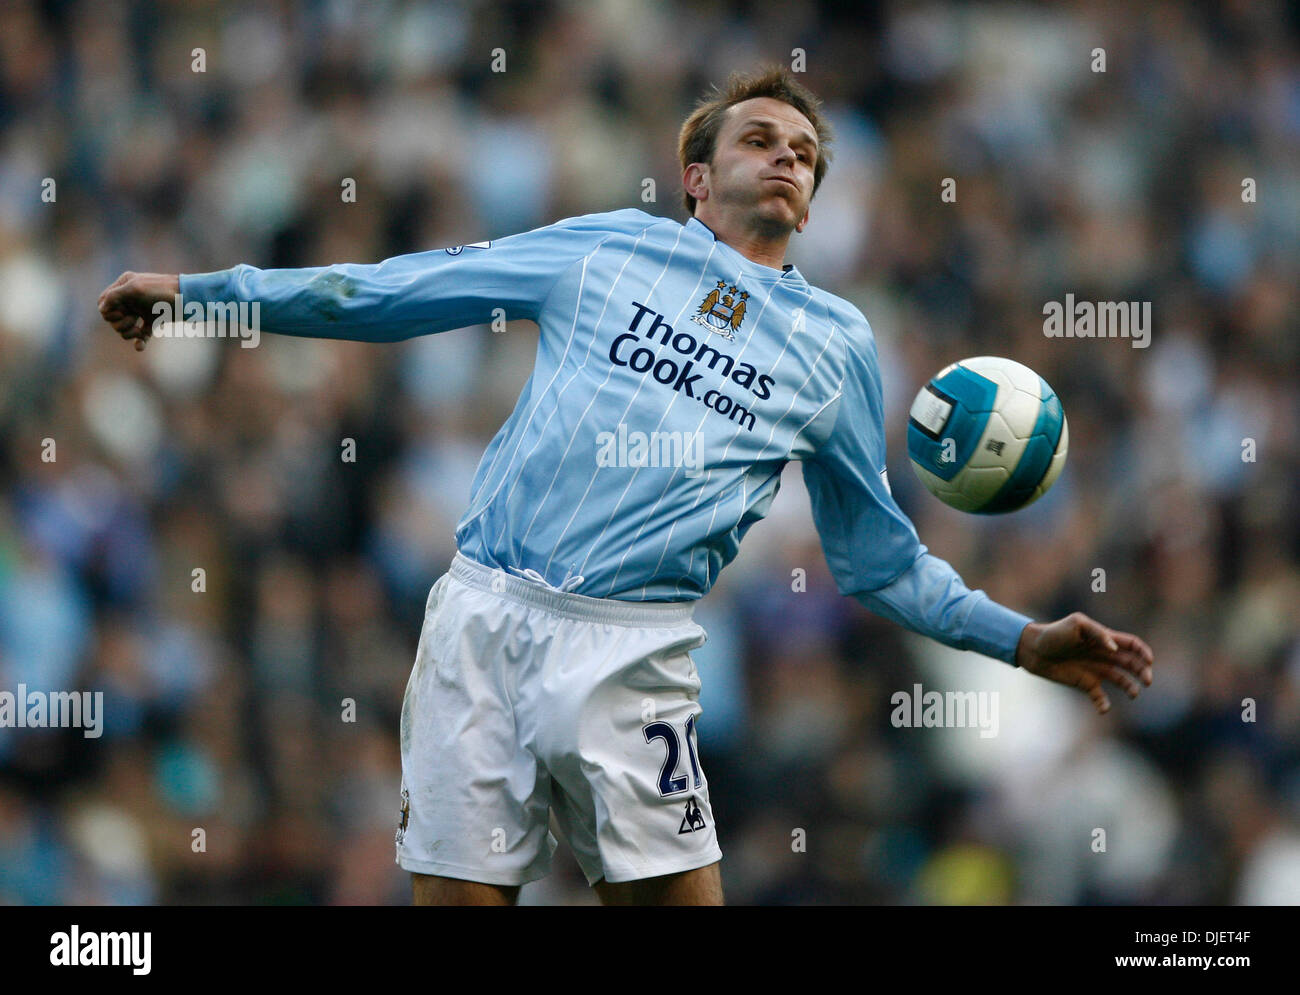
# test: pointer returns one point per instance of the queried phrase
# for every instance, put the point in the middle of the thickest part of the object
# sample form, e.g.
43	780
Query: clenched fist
127	303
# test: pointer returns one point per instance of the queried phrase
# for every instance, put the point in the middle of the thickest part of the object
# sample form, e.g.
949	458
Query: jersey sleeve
415	294
871	546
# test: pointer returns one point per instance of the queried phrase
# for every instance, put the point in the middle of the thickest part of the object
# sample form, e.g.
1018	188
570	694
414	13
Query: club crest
722	310
404	817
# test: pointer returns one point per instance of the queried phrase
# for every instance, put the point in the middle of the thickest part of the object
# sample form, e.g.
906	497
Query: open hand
1081	652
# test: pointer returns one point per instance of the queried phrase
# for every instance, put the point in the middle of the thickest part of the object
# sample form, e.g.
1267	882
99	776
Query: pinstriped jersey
675	378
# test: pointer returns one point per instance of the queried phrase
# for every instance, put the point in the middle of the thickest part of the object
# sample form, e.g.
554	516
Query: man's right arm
415	294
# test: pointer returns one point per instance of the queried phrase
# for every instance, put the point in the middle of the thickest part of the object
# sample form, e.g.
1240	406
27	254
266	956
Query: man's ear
804	223
695	180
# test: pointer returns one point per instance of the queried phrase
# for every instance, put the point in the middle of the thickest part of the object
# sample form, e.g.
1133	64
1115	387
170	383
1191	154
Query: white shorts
526	700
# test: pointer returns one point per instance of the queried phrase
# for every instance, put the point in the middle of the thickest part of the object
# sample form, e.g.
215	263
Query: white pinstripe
812	372
541	434
487	478
758	319
610	374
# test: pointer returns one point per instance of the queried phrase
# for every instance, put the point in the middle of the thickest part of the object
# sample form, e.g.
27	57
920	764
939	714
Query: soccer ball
987	435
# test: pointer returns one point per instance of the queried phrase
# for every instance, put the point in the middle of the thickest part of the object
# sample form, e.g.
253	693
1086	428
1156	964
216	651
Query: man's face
762	165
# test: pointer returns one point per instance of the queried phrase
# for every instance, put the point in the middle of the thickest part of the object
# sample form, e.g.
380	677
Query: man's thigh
702	886
474	799
431	889
628	791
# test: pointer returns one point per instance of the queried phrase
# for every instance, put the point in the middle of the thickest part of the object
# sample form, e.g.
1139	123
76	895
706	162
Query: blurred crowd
178	528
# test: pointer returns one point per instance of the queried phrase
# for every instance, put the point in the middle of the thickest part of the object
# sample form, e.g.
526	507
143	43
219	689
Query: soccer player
553	672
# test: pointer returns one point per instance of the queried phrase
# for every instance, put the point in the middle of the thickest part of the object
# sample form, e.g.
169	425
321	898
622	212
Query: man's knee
431	889
702	886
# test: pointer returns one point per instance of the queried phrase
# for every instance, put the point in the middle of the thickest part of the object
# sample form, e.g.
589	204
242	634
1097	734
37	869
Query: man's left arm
875	556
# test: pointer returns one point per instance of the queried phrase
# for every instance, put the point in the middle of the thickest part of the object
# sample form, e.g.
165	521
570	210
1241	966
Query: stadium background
223	708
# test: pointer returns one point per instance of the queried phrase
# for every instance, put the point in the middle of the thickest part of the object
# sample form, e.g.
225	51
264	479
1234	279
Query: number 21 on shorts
670	782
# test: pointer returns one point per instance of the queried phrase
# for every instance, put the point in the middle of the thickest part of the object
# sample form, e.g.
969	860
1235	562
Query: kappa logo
693	820
722	310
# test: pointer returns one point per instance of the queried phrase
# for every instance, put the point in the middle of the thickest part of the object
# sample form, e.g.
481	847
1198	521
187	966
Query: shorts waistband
566	603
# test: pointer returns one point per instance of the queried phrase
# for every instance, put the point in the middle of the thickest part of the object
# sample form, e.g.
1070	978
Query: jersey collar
789	273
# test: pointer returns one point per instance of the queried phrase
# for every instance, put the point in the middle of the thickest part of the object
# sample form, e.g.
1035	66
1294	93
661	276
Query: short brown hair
699	135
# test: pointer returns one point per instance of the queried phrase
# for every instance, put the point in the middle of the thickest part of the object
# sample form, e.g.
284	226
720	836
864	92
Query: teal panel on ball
973	397
1035	461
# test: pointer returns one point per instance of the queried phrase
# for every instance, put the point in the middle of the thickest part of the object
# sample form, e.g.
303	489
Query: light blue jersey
674	380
